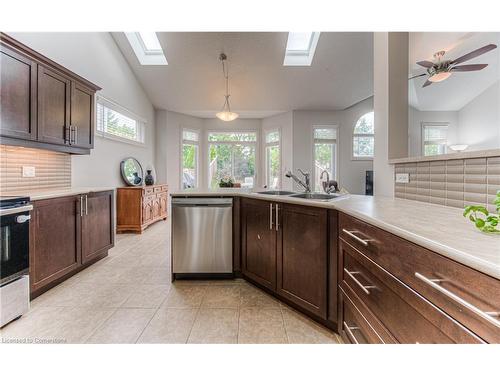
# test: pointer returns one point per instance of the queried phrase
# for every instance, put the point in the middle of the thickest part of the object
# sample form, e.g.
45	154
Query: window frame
256	144
181	158
301	57
354	135
141	122
272	144
336	155
144	55
423	142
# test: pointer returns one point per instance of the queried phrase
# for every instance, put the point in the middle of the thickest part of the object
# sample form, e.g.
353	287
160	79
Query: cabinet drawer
463	293
157	189
409	317
357	328
164	188
148	191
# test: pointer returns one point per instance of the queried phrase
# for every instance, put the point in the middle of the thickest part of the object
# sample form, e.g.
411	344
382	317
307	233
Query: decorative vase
149	180
137	179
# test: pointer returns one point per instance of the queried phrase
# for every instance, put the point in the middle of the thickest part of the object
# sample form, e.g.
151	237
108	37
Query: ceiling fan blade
425	64
475	53
427	83
420	75
468	68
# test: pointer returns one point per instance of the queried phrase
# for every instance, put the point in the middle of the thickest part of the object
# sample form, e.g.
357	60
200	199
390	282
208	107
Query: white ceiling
341	73
458	90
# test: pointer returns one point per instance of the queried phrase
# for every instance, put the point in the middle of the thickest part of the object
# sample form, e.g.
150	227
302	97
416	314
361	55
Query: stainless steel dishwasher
202	237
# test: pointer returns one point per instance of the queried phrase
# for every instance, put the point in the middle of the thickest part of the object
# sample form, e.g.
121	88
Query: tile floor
128	298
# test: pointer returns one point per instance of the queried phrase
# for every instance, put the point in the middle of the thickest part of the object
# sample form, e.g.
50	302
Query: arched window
363	137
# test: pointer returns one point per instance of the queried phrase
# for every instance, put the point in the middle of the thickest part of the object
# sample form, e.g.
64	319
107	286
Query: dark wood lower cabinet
258	237
55	240
66	235
303	256
97	225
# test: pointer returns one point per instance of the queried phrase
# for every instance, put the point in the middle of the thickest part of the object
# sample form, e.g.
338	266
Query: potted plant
484	220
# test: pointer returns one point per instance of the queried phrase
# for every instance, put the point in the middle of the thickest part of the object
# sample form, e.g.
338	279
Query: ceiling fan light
439	77
227	116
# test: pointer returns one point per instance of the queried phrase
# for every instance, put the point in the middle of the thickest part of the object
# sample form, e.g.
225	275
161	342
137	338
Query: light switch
28	171
402	178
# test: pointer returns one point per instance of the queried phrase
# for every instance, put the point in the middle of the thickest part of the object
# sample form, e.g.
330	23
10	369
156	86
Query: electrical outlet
402	178
28	171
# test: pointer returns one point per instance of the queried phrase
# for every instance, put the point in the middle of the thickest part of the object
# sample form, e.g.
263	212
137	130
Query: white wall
415	120
476	124
284	123
96	57
479	121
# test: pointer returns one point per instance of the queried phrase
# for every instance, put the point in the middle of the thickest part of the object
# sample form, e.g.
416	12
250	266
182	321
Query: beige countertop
438	228
46	194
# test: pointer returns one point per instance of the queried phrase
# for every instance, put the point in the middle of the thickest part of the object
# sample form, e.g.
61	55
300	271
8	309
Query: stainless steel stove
14	257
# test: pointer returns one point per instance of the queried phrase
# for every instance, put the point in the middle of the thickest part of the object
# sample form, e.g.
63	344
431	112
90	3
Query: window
273	159
325	154
190	152
434	139
116	122
300	48
231	155
147	48
363	140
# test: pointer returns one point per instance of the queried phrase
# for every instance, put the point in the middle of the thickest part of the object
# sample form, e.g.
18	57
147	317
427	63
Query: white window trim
270	144
372	135
313	142
423	142
142	123
181	160
208	143
145	56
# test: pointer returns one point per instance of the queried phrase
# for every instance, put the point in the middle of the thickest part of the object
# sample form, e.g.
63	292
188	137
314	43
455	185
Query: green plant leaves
488	223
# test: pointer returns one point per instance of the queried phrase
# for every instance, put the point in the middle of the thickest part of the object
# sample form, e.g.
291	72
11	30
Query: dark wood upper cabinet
18	95
54	101
97	224
82	115
302	265
55	240
258	246
44	105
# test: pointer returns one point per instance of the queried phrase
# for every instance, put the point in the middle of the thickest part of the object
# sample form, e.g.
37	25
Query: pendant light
226	114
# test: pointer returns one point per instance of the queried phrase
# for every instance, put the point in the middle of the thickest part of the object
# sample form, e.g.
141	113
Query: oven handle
15	210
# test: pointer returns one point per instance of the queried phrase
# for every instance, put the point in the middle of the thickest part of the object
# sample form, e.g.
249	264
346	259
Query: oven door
14	245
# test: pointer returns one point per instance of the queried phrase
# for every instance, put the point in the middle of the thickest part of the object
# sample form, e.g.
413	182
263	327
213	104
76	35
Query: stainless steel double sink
316	196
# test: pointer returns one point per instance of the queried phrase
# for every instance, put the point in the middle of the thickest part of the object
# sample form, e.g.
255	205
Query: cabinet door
147	211
163	204
82	115
302	257
18	95
97	225
55	240
259	242
54	92
156	207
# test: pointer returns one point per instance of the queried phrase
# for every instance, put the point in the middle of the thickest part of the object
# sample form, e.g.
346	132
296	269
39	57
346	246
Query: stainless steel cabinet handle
349	332
354	237
363	287
270	216
489	316
81	205
75	136
277	217
86	205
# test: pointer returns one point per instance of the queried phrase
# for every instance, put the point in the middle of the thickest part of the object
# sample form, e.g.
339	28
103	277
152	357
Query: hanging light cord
225	72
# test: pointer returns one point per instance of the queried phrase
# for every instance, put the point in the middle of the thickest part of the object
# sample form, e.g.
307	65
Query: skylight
150	41
300	48
147	48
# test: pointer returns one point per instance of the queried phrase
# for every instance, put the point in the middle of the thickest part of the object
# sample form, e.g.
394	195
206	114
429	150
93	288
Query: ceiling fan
441	69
